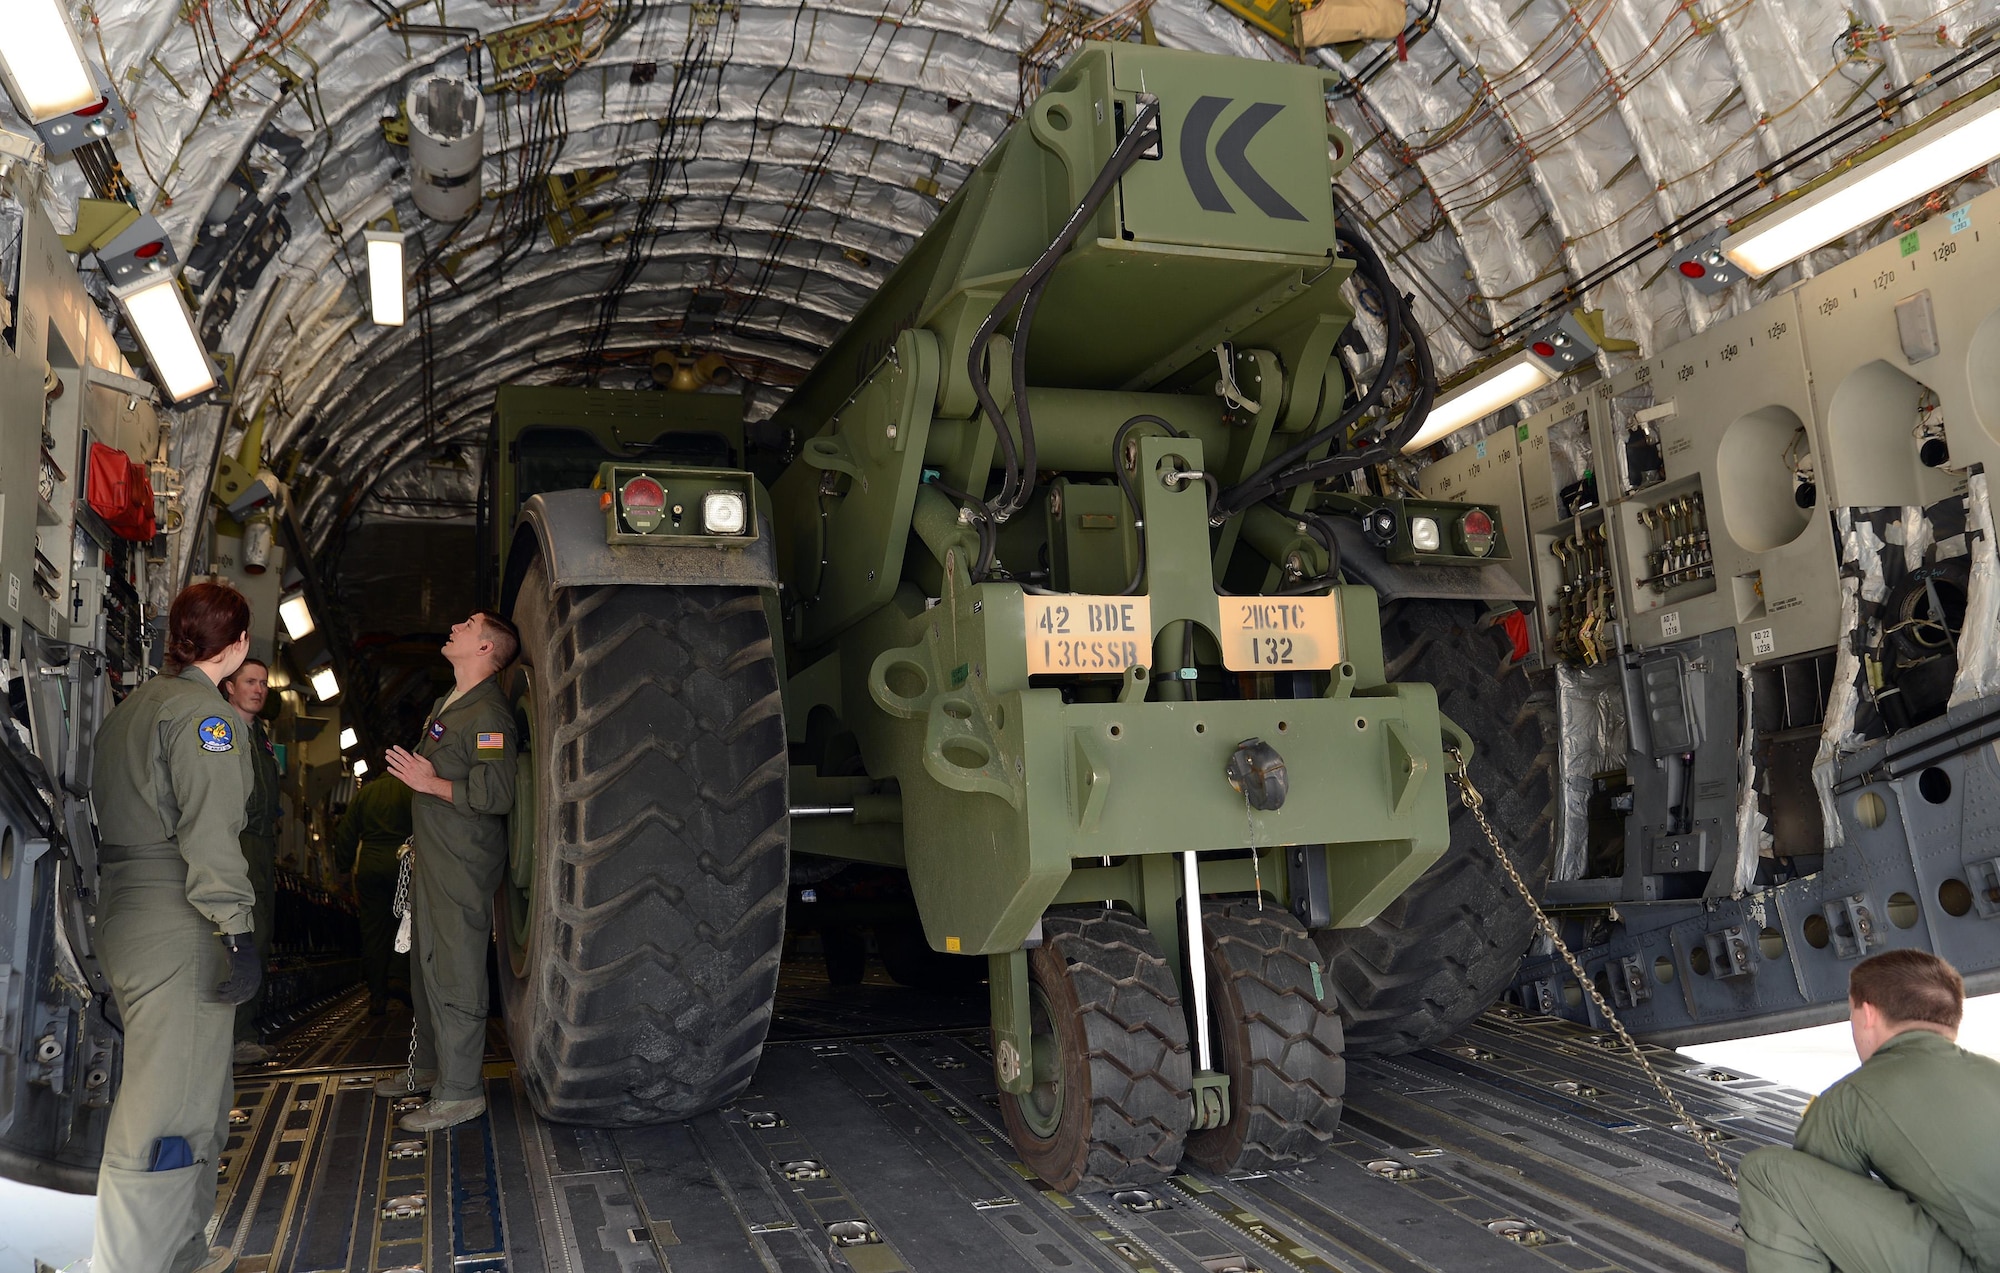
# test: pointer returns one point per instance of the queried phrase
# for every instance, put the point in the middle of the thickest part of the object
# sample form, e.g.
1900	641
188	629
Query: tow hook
1257	772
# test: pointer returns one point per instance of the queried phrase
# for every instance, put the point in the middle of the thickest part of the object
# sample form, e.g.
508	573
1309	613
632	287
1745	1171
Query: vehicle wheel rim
1042	1105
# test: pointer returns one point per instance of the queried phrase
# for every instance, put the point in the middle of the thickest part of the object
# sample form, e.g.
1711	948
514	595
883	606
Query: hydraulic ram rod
1197	959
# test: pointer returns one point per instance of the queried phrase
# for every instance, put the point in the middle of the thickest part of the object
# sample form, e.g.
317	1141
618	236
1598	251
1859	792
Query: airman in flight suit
1897	1166
371	834
463	775
170	785
246	692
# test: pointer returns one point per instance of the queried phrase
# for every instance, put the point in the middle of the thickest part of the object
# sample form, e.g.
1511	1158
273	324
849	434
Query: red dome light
147	251
98	109
1478	522
1544	349
1694	269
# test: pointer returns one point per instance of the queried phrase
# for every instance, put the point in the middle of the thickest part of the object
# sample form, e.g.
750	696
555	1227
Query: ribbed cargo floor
871	1140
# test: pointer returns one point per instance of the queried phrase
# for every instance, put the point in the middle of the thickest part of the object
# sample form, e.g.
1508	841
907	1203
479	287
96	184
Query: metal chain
400	908
1477	805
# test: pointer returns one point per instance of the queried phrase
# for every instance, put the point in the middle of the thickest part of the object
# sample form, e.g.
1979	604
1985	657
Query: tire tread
655	955
1443	951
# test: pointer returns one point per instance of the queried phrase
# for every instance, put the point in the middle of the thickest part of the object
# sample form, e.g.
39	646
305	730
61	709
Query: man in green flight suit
371	833
1897	1166
462	774
246	692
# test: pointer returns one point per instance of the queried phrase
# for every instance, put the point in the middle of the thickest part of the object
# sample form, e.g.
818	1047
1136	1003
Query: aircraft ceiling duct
447	142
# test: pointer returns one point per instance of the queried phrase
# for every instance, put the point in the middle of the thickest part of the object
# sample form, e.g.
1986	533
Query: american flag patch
492	742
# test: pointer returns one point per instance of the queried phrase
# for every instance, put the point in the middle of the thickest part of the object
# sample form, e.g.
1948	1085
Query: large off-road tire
1278	1038
1440	954
1113	1077
638	990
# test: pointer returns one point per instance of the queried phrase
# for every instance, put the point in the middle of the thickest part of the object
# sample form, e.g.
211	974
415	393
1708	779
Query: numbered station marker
1280	634
1073	633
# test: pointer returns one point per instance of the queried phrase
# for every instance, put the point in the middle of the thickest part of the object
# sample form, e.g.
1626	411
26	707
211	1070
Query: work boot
406	1083
249	1052
435	1116
220	1260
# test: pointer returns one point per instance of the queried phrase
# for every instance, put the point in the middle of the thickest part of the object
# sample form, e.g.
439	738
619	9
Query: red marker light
98	109
148	251
1694	269
643	501
1475	532
644	492
1544	349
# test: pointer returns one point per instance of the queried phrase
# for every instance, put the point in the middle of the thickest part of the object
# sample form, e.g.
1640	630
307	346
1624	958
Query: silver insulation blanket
1503	152
1979	642
1859	546
1752	827
1590	710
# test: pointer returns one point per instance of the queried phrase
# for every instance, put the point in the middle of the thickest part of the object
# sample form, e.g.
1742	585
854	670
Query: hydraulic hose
982	517
1019	480
1270	480
1388	445
1259	484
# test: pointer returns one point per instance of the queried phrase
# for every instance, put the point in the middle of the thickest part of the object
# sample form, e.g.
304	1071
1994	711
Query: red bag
120	492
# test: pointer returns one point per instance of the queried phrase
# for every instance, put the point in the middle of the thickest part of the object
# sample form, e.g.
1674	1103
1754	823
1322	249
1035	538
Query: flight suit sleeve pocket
488	786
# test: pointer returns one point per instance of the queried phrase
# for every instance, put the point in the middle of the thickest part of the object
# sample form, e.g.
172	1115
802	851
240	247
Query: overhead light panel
325	685
1940	150
385	276
297	617
1499	386
349	740
42	62
166	329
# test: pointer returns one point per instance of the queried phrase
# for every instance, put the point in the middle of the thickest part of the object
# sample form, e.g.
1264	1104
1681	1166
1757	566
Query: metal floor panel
871	1141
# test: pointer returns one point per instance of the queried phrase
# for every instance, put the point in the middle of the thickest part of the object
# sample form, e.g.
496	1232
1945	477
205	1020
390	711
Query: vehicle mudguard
567	530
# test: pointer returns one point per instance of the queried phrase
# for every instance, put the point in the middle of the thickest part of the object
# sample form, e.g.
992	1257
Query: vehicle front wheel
1112	1076
642	939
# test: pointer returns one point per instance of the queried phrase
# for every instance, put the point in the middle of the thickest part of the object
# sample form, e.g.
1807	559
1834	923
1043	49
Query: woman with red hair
171	785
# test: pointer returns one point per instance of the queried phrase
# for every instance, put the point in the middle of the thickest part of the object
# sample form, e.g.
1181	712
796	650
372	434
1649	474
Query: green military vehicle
1045	605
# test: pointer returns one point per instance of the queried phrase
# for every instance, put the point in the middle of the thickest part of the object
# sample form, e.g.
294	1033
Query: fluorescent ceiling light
349	740
1498	387
360	769
166	329
385	276
43	63
297	617
325	684
1935	154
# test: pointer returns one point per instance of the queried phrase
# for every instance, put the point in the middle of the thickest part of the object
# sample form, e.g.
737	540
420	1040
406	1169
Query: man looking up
462	774
246	691
1921	1113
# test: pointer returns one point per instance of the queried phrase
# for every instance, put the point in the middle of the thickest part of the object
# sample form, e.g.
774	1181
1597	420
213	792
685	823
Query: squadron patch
436	730
492	742
215	734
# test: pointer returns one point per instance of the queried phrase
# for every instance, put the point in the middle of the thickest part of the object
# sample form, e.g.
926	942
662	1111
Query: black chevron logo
1230	153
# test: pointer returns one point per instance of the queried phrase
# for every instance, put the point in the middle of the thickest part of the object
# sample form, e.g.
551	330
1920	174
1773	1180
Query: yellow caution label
953	945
